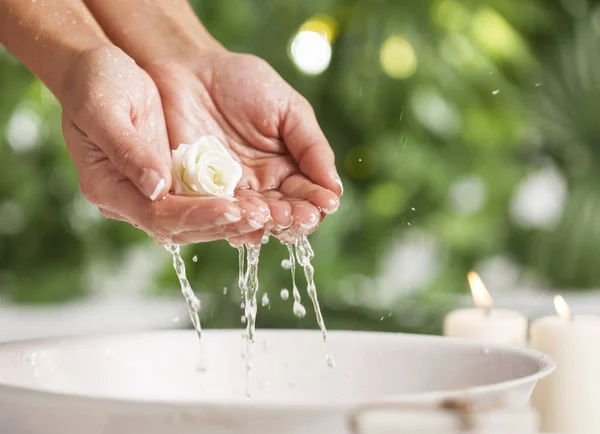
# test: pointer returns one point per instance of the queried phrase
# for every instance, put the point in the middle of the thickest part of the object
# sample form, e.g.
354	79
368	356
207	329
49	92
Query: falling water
248	282
298	309
304	254
193	303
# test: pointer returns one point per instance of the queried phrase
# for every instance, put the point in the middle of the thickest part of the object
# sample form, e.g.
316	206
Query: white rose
205	167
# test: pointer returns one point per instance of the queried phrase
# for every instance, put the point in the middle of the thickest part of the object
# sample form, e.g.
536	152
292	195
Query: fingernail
254	224
339	181
152	183
233	217
307	227
311	224
330	210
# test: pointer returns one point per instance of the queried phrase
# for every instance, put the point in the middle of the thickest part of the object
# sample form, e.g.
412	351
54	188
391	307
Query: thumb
139	159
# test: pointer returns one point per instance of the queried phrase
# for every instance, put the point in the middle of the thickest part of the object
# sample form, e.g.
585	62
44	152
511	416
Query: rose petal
205	167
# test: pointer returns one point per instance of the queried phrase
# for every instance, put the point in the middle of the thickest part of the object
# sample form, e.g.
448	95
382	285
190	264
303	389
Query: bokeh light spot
386	199
23	130
433	111
324	25
398	58
495	35
451	15
310	52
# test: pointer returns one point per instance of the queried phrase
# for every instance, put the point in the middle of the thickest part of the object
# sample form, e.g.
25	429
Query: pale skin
120	121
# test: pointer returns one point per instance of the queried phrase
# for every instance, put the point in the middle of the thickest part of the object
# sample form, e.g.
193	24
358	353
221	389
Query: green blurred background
465	133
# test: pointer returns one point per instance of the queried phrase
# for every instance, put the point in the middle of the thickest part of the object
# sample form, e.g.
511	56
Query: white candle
485	324
568	401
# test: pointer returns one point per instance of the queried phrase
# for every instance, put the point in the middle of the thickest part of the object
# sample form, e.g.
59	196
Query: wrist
71	66
183	46
44	44
199	61
160	31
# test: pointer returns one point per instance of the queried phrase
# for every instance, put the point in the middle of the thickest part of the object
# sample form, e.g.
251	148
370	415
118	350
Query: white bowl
147	382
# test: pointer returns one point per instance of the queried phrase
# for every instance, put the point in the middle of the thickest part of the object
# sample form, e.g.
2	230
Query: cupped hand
114	127
268	127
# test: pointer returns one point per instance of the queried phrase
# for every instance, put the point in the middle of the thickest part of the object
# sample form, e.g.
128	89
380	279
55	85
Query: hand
115	131
267	127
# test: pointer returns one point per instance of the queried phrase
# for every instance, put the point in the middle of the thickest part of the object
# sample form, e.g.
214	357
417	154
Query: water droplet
496	92
225	291
265	300
265	239
196	305
329	361
286	264
413	209
284	294
360	160
381	319
408	223
201	366
299	310
195	258
32	359
538	84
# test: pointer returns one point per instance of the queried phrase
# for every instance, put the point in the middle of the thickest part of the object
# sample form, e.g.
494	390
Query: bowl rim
545	363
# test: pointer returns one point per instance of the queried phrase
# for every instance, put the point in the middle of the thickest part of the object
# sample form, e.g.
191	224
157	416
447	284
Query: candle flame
562	308
480	294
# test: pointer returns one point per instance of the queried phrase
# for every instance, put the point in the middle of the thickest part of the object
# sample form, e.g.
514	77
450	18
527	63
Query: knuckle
125	154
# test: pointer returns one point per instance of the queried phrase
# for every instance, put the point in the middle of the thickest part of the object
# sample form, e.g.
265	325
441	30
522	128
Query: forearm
151	30
49	36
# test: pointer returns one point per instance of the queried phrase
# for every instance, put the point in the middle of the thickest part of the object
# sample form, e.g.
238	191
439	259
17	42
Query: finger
216	233
141	160
281	213
174	214
254	210
299	187
309	147
252	238
306	216
112	215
